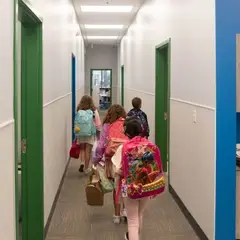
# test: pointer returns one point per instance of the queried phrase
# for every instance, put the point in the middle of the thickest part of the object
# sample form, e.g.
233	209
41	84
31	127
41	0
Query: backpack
116	137
142	118
84	125
142	169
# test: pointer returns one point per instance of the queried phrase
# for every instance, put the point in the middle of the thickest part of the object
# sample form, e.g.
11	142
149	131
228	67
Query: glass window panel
106	78
96	78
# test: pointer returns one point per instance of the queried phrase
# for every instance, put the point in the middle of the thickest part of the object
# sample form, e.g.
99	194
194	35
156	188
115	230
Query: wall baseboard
55	200
188	215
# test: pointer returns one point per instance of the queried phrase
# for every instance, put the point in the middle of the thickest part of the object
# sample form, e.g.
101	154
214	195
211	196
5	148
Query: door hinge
24	145
165	116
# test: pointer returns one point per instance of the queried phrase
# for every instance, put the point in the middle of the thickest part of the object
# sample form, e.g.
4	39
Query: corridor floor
74	220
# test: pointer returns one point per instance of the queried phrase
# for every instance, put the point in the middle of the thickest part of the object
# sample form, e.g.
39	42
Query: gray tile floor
74	220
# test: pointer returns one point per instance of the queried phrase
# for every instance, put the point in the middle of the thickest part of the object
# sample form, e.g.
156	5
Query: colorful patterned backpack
143	174
116	137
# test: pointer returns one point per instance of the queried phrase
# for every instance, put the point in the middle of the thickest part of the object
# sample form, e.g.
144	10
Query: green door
31	116
162	102
122	85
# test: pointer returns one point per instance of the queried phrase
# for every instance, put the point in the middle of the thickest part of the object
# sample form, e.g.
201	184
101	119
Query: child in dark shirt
142	117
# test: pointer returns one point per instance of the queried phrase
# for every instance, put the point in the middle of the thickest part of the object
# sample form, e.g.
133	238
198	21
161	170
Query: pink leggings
135	210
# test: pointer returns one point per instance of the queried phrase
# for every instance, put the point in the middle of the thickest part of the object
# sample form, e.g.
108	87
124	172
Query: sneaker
116	219
81	168
126	236
124	213
124	216
87	171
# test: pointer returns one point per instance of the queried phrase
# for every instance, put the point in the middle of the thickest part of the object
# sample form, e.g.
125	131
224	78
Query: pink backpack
142	169
116	137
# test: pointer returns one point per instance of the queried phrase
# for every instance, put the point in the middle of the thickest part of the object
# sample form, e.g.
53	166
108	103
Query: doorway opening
73	93
101	87
122	85
28	114
162	101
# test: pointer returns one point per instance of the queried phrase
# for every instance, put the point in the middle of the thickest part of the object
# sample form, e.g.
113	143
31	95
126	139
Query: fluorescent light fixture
108	9
88	26
102	37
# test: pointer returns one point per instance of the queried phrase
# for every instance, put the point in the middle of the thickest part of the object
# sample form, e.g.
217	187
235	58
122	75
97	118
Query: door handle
24	145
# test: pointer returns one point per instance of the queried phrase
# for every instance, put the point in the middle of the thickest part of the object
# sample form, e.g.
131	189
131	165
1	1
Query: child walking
87	123
117	171
113	122
138	164
142	116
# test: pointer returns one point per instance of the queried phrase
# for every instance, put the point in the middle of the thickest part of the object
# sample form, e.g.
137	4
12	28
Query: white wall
102	57
7	199
80	73
59	42
192	146
119	79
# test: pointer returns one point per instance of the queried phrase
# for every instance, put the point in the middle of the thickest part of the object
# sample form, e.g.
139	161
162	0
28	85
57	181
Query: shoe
116	219
124	213
87	171
126	236
81	168
124	216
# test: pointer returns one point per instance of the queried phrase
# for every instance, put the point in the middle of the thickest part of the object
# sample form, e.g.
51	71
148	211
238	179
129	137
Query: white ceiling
105	19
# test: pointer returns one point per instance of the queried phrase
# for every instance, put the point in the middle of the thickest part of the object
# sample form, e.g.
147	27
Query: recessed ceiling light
108	9
103	26
102	37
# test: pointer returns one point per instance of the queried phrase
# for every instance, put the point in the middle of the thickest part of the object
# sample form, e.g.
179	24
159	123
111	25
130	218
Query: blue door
73	92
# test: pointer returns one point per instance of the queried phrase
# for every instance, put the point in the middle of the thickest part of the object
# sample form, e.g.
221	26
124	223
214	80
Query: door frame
122	85
101	69
33	217
73	93
158	77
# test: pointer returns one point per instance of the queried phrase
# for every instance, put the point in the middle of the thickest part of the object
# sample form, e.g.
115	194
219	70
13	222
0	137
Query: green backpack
84	125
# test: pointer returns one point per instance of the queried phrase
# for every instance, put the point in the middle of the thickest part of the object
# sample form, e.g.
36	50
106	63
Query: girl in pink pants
134	208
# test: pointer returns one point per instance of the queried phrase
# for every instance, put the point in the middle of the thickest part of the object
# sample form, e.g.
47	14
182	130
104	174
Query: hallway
74	220
180	58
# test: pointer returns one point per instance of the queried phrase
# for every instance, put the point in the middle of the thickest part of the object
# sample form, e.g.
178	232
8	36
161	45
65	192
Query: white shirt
117	160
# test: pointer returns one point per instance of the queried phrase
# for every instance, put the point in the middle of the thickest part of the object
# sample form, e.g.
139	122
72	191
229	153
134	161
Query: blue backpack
84	125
